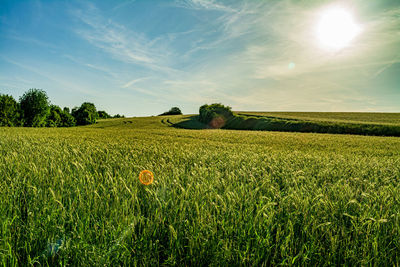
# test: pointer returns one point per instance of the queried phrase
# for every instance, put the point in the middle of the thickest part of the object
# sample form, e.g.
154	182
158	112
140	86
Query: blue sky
143	57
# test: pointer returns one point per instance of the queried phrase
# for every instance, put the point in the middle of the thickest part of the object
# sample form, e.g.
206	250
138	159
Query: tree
103	114
54	116
66	110
10	113
209	112
172	111
35	106
85	114
67	120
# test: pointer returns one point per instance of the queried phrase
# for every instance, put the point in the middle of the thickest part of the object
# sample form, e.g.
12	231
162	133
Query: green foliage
103	115
85	114
35	106
118	116
59	118
67	120
10	113
71	197
54	116
35	110
172	111
213	112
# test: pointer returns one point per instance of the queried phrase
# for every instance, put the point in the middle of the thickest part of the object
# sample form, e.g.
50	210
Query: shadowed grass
188	122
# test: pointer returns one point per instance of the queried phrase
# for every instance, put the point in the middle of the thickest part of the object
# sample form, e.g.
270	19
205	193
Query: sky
143	57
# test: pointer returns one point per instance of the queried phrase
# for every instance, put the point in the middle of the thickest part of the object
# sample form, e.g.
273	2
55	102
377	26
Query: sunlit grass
222	197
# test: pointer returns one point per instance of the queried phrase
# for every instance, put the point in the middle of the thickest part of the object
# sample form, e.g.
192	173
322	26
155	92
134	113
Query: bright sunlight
336	28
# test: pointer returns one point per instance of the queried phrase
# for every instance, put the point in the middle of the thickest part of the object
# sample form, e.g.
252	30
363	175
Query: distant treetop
35	106
172	111
10	112
34	110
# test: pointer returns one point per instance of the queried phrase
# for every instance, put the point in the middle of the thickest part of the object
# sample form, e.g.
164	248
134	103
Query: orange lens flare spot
146	177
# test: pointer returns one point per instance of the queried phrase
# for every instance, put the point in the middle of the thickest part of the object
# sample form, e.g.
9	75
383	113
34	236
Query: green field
347	117
71	196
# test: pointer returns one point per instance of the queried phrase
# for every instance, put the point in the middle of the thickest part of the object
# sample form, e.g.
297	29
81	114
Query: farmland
347	117
72	196
378	124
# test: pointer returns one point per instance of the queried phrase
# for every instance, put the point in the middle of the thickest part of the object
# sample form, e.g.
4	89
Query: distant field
355	117
71	196
378	124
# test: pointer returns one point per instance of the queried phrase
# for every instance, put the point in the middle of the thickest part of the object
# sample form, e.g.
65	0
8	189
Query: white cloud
132	82
203	5
123	44
242	56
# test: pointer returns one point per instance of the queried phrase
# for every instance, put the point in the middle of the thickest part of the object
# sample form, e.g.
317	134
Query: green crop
346	117
220	197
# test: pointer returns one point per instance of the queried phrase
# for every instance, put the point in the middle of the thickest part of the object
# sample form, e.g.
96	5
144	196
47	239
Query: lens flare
146	177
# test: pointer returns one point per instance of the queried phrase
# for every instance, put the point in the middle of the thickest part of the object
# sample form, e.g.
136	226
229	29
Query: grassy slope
219	197
379	124
353	117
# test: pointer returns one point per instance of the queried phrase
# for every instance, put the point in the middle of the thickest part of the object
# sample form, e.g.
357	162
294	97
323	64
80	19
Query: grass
188	122
346	117
379	124
220	197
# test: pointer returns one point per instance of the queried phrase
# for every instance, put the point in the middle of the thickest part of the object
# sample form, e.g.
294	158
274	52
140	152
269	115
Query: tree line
172	111
35	110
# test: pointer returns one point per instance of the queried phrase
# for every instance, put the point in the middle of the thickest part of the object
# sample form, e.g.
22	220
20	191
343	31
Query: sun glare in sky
336	28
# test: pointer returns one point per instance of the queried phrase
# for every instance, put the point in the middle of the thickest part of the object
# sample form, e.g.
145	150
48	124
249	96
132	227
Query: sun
336	28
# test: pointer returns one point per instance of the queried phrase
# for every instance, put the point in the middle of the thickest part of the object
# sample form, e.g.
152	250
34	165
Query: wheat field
71	196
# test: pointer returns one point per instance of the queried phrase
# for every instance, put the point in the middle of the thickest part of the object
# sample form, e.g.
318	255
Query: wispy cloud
248	54
123	44
385	67
250	49
233	24
124	4
293	41
84	63
49	76
204	5
132	82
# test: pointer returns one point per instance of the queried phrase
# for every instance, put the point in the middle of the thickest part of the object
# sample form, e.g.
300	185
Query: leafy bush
59	118
217	113
103	115
34	110
54	116
10	113
85	114
67	120
172	111
35	106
